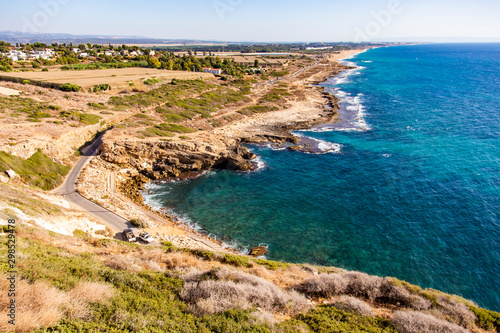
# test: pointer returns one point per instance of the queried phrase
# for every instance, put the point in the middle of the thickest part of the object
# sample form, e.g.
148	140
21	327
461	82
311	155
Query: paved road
106	216
68	191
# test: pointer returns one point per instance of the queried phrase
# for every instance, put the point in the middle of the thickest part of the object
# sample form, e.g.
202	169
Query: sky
261	20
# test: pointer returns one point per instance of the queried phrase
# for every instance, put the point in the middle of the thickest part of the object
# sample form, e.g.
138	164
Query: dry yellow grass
41	305
117	77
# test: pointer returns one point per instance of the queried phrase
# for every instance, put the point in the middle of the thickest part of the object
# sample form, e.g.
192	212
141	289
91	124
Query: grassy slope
38	170
148	285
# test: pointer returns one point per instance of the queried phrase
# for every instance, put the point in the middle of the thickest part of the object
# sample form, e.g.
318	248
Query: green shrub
155	131
237	261
330	319
152	81
138	223
98	106
84	118
26	82
173	118
486	319
81	234
175	128
249	110
70	87
272	265
101	87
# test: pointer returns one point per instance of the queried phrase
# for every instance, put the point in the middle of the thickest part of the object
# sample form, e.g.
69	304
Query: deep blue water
413	193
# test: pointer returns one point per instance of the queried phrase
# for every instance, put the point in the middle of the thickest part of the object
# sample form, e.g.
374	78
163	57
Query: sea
407	182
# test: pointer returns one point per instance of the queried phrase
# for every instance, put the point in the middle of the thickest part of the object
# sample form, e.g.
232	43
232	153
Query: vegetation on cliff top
38	170
70	284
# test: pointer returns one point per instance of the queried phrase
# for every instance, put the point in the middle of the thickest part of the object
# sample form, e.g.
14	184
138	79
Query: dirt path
9	92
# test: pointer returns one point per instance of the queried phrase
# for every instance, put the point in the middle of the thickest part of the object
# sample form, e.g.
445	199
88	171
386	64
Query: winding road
68	191
106	216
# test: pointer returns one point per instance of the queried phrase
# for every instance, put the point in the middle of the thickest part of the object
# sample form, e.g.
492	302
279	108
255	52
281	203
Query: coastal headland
301	104
74	271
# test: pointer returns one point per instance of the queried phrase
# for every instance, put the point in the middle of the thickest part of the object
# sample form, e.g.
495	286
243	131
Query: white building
215	71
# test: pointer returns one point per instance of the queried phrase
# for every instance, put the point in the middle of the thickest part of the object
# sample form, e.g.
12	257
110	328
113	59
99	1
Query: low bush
222	289
97	106
329	319
486	319
237	261
362	285
138	223
152	81
270	264
101	87
249	110
70	87
155	131
84	118
175	128
417	322
353	304
173	118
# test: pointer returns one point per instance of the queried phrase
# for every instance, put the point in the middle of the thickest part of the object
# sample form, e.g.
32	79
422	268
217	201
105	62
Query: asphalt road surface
68	191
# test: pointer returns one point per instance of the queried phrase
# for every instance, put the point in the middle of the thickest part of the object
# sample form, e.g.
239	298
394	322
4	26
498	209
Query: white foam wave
354	111
260	163
322	145
329	147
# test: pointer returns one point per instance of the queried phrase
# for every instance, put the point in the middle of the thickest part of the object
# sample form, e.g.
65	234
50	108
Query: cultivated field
116	78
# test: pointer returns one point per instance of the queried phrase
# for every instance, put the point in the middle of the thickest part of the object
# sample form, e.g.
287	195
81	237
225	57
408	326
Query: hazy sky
258	20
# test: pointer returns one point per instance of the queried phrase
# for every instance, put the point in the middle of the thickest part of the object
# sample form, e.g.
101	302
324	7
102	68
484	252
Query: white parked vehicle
146	237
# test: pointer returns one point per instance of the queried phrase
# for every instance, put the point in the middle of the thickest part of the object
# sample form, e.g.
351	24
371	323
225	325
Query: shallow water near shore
413	192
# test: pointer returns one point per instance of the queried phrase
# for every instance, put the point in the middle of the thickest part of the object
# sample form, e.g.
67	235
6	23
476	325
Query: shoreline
319	107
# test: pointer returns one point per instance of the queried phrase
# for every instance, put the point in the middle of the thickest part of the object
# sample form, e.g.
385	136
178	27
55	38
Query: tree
154	63
256	63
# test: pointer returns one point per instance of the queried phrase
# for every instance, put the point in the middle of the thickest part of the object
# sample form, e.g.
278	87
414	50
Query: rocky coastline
223	148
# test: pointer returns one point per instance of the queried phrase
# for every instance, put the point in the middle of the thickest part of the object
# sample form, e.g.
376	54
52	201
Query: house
16	55
108	53
151	53
83	55
215	71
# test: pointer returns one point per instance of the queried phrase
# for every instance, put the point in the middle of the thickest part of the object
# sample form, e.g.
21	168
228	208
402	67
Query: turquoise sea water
413	193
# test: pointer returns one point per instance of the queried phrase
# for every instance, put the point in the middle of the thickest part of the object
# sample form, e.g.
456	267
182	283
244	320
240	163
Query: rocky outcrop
159	159
64	145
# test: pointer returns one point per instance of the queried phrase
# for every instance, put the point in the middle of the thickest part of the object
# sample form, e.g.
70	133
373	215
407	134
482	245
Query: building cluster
18	55
111	53
23	55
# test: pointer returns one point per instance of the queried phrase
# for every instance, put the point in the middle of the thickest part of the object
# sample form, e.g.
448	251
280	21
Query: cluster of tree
4	47
171	61
5	64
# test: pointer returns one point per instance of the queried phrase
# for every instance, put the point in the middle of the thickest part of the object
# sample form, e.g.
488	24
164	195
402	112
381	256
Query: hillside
86	282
